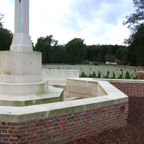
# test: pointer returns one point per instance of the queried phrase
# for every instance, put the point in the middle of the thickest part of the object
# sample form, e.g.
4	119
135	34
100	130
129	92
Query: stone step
23	88
50	96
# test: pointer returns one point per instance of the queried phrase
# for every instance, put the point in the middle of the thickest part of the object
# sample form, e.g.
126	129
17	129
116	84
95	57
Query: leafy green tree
99	58
135	20
60	54
94	53
5	36
45	45
110	58
103	52
121	54
135	41
136	48
1	16
5	39
88	53
75	50
91	53
109	50
114	48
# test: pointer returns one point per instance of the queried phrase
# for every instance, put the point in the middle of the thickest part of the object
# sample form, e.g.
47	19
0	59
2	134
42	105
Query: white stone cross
21	40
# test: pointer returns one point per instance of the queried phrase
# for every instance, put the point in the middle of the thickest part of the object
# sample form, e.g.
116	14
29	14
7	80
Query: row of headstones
99	71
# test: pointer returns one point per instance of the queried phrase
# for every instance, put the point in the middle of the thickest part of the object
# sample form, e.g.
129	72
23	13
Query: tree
60	54
91	53
135	41
45	45
121	53
109	50
5	39
75	50
110	58
99	58
1	16
103	52
136	48
135	20
5	36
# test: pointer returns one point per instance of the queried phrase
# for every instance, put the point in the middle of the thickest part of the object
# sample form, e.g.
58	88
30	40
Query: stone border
16	115
132	88
119	80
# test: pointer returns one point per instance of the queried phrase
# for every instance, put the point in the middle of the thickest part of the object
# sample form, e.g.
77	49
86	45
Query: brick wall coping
28	113
140	71
120	80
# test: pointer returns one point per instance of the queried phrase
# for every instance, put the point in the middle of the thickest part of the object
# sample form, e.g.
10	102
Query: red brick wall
64	128
131	89
140	75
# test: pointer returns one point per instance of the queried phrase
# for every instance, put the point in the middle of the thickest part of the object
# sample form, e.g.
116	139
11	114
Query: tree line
76	51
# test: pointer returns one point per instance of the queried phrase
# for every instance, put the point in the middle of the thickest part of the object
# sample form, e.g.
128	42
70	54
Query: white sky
95	21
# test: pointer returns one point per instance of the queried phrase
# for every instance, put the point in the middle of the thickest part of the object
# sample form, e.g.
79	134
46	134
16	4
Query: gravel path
133	133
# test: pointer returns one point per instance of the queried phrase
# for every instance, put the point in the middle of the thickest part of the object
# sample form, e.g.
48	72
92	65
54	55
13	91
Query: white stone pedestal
21	80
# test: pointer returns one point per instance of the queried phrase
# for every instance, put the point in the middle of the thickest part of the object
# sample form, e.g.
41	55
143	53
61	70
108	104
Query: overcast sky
95	21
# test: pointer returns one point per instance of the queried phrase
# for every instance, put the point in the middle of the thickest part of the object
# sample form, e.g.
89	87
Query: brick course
140	75
130	89
65	128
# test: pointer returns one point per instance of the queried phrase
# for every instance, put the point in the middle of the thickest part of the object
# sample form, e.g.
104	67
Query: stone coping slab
119	80
140	71
14	114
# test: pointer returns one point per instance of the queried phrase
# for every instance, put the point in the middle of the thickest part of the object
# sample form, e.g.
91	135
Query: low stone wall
62	122
58	76
65	128
132	88
82	88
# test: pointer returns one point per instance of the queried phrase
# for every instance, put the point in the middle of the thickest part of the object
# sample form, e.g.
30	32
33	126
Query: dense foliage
135	23
5	36
47	47
136	48
102	53
76	51
1	16
73	52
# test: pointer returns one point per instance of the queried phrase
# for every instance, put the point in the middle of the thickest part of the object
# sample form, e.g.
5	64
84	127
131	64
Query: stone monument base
21	80
49	96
